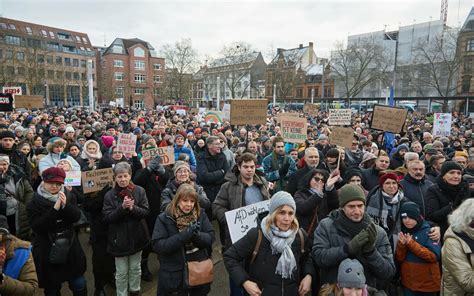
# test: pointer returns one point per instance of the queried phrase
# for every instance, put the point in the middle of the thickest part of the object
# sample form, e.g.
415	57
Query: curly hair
462	216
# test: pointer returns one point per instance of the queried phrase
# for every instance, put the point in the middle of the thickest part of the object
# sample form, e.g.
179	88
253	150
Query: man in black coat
415	185
8	147
370	176
311	161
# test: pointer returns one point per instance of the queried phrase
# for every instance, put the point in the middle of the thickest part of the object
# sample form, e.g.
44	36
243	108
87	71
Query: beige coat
458	265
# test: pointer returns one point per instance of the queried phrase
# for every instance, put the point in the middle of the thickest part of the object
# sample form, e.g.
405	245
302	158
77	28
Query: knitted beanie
7	134
411	210
351	274
281	198
450	165
386	176
350	192
180	164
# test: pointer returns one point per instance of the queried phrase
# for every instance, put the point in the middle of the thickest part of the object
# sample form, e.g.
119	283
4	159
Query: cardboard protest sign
245	111
442	124
73	178
166	153
96	180
294	129
340	116
226	112
214	117
342	136
241	220
126	143
388	119
29	102
6	102
286	114
311	109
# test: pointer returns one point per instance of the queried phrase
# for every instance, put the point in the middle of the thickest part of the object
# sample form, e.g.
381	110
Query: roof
313	69
469	23
127	43
235	60
292	55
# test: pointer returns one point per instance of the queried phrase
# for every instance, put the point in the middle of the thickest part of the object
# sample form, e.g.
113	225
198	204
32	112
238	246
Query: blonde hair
184	190
295	225
461	217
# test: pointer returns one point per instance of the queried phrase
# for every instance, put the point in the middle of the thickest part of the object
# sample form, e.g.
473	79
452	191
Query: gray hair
211	140
409	156
313	149
461	217
122	167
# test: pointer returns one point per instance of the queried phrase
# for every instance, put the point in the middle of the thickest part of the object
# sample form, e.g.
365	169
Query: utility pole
90	84
218	92
312	95
274	95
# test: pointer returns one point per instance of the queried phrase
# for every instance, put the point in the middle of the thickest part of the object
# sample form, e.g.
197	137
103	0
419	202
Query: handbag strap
313	221
257	246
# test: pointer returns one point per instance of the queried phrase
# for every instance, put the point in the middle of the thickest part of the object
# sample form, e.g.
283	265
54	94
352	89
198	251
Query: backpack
259	241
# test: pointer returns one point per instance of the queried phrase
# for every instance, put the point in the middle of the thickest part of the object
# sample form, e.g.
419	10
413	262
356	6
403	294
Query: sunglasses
317	179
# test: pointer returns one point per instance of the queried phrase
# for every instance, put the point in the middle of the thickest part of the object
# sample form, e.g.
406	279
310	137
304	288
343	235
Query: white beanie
69	129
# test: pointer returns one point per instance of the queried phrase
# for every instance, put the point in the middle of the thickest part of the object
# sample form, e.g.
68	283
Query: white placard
340	116
14	90
181	112
226	112
126	143
241	220
73	178
442	124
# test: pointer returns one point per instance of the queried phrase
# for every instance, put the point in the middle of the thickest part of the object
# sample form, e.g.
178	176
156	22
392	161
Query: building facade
465	86
130	70
46	61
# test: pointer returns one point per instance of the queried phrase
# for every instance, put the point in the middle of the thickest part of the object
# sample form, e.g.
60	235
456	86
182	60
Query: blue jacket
192	159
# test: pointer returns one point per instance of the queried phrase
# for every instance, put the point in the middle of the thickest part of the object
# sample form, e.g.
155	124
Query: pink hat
107	141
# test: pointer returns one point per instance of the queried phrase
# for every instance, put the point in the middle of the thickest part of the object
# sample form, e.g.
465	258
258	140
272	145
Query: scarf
183	220
46	195
451	190
280	242
346	225
87	155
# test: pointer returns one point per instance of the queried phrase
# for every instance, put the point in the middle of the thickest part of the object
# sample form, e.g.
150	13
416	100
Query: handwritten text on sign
342	136
442	124
388	119
126	143
166	153
340	116
96	180
294	129
73	178
241	220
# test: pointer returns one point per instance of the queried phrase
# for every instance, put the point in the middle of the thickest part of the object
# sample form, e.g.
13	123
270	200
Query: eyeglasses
317	179
182	172
117	152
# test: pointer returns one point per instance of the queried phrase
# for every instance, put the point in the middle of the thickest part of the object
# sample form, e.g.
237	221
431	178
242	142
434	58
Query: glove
372	235
155	164
354	247
284	169
195	227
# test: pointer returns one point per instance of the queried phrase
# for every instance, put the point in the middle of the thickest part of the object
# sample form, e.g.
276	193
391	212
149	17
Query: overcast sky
265	24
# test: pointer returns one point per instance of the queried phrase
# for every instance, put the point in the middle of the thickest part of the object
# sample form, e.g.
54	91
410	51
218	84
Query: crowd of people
386	216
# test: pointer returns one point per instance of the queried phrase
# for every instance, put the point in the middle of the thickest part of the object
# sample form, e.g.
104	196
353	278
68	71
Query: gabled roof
127	43
291	56
469	23
313	69
235	60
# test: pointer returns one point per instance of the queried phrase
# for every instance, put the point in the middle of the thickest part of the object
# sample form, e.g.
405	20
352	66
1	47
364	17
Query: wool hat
351	172
333	152
281	198
402	147
367	157
137	131
69	129
411	210
178	135
322	137
180	164
448	166
350	192
386	176
431	151
53	174
107	141
7	134
146	138
110	125
197	130
19	129
351	274
4	224
5	158
461	153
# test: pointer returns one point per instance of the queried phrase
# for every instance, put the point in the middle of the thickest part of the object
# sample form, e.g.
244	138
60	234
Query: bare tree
284	73
356	66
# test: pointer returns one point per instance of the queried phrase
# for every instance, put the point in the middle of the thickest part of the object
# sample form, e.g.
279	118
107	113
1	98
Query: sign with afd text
388	119
166	153
442	124
340	116
241	220
6	102
96	180
243	112
126	143
294	129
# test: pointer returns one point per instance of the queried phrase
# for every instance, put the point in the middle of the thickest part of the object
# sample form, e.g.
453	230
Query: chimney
311	45
310	53
301	46
279	51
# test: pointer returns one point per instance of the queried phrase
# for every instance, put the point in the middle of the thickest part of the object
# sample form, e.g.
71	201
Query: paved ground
220	286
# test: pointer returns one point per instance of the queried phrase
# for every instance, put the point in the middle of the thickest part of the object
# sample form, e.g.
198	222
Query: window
467	65
140	78
50	74
466	83
20	56
64	36
10	70
118	63
1	53
139	91
78	39
40	59
156	92
68	75
3	26
139	65
53	46
21	71
84	39
117	49
59	60
51	34
12	40
82	48
119	90
138	104
44	33
9	54
157	78
49	59
75	63
139	52
29	31
119	76
12	27
59	74
156	66
83	63
67	61
88	49
67	48
75	75
470	45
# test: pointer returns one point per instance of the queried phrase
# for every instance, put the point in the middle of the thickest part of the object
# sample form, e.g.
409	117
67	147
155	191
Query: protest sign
166	153
311	109
193	111
442	124
241	220
340	116
6	102
126	143
388	119
226	112
73	178
96	180
294	129
29	102
245	111
14	90
181	112
286	114
341	136
213	117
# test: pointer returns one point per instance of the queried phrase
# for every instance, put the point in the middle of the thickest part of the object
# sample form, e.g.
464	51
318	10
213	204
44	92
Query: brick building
130	69
46	61
465	51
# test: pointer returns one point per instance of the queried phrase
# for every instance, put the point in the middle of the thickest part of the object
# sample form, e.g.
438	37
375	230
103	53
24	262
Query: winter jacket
172	187
19	159
45	222
419	261
272	174
262	270
27	281
52	159
328	252
294	183
416	191
396	161
189	152
458	264
169	244
127	230
211	170
103	163
370	178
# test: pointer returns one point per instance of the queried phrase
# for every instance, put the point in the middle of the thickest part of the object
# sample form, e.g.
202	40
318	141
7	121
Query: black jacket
416	190
211	170
370	178
127	231
262	270
19	159
169	244
294	182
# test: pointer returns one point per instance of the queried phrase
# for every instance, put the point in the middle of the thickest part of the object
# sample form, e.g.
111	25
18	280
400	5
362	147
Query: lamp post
312	96
47	93
274	95
218	92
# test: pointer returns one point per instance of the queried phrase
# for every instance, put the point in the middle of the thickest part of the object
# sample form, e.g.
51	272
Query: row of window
47	34
138	78
139	65
50	45
49	74
20	56
120	91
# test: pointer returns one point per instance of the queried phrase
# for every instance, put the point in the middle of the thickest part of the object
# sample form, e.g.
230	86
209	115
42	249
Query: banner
243	112
294	129
213	117
14	90
226	112
127	143
166	153
29	102
388	119
73	178
340	116
342	136
96	180
311	109
6	102
442	124
241	220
